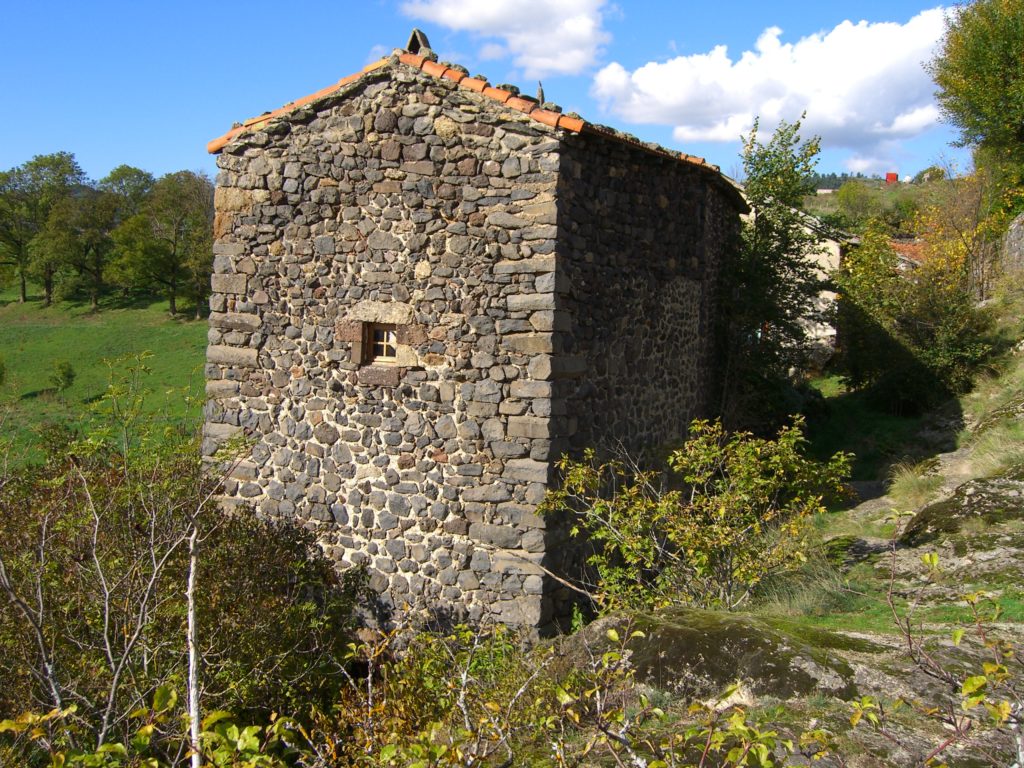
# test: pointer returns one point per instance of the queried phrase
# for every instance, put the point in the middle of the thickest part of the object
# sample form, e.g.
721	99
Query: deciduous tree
167	245
27	195
773	284
979	70
739	517
913	335
78	234
132	185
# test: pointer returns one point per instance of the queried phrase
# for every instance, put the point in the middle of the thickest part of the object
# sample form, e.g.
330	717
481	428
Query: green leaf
958	635
612	635
142	737
972	684
563	696
164	698
215	717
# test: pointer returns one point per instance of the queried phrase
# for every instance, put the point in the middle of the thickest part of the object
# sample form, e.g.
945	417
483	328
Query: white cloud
544	37
862	86
377	52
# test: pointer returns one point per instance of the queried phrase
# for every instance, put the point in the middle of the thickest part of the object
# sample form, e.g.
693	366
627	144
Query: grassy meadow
35	339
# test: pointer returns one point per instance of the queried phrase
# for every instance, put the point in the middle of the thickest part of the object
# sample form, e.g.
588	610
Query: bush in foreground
106	548
736	514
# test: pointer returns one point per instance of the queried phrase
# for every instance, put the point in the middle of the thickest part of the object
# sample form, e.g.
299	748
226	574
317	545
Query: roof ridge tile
434	69
474	84
497	94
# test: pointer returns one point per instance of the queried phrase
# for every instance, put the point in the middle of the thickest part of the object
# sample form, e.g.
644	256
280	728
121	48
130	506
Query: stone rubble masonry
549	291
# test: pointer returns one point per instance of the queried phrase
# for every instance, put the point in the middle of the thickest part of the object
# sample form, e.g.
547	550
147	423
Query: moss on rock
697	652
992	500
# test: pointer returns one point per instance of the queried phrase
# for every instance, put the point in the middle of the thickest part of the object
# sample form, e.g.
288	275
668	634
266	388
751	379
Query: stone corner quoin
531	291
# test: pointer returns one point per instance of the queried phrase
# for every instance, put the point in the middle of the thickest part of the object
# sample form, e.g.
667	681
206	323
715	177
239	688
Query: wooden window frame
380	344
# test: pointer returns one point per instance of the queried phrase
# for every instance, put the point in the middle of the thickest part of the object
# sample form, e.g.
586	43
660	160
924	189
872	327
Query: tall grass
911	486
998	449
818	589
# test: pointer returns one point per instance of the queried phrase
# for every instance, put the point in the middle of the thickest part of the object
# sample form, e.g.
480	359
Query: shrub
63	376
739	516
94	566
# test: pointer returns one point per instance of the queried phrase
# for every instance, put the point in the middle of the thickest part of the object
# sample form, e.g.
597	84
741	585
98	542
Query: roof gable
427	64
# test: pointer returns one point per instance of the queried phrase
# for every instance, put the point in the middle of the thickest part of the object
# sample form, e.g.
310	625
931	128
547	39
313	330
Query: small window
381	343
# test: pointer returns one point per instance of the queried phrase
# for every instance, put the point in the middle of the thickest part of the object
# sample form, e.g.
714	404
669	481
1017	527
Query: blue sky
149	83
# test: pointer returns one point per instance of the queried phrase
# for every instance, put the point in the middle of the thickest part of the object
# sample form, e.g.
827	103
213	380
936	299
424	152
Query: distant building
910	252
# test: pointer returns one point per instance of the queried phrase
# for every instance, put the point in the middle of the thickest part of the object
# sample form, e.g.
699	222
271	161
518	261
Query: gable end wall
402	200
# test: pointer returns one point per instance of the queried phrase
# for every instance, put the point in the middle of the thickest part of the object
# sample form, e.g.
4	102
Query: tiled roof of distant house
909	250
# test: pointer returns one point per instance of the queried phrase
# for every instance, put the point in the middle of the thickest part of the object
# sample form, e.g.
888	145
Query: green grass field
34	339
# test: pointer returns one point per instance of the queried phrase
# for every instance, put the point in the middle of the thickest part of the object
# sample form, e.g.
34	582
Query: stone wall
641	237
401	200
544	290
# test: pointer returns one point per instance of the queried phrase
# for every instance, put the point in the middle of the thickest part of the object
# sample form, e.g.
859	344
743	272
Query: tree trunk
47	290
23	297
193	653
173	301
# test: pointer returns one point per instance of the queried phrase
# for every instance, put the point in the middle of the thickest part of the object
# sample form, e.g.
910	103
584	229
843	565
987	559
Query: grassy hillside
34	339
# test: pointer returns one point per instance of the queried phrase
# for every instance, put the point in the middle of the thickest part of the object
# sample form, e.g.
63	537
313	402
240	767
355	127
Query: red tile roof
911	250
441	71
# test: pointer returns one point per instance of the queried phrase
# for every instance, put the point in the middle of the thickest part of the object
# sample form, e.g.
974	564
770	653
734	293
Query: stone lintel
393	312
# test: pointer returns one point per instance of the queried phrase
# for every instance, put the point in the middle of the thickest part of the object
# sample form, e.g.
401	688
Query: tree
979	70
929	174
131	185
913	336
869	285
78	234
63	376
773	284
27	195
168	244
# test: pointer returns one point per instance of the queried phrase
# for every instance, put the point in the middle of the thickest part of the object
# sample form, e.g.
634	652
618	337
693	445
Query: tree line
129	231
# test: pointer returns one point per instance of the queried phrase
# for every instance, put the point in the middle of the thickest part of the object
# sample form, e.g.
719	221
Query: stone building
426	289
